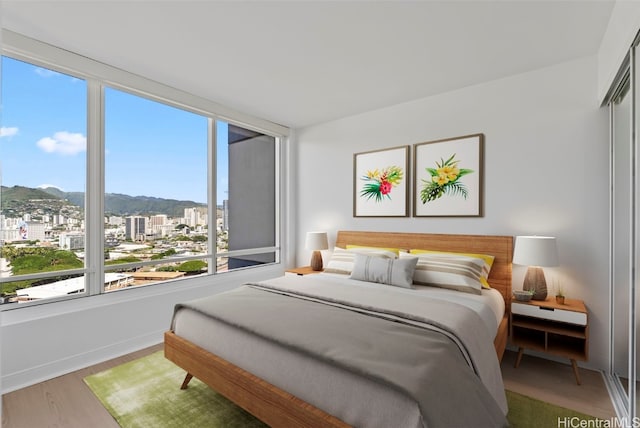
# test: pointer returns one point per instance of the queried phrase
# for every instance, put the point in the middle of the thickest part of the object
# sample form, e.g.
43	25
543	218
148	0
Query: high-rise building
225	214
33	231
135	228
71	241
115	220
157	220
157	225
59	219
195	216
190	217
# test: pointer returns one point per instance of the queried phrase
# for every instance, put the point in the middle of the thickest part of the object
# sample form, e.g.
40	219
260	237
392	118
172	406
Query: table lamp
316	241
535	252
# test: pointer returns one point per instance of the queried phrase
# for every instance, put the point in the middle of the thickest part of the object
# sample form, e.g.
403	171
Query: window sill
216	283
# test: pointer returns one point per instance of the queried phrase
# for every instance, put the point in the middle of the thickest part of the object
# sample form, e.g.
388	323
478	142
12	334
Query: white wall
546	172
622	29
41	342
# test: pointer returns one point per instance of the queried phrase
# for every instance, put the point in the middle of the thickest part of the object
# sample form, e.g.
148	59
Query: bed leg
186	381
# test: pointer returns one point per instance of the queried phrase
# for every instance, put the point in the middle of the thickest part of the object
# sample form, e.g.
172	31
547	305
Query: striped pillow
396	272
342	261
487	261
446	270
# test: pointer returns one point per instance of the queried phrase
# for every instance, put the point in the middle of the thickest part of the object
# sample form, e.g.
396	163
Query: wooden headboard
501	247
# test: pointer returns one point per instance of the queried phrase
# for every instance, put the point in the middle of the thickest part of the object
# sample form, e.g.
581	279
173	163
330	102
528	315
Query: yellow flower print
440	179
450	171
372	175
445	179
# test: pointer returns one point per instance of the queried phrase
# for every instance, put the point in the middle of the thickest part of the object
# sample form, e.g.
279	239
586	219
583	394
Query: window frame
98	76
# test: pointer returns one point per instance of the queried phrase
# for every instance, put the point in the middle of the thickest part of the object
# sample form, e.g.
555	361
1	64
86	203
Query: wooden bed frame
279	408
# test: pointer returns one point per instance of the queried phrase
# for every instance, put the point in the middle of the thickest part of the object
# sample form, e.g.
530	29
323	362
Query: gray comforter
421	358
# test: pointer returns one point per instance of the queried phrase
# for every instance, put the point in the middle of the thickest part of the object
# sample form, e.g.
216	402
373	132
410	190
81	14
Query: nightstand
304	270
547	326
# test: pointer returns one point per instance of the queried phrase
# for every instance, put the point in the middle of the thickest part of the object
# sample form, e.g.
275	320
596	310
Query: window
155	190
182	192
246	163
43	154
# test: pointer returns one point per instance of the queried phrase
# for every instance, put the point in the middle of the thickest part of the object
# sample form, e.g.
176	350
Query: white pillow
383	270
341	260
448	271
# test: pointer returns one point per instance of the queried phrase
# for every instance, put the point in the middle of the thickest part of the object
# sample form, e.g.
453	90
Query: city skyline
151	149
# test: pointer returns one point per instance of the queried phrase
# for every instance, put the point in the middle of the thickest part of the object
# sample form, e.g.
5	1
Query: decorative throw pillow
341	260
487	262
447	270
396	272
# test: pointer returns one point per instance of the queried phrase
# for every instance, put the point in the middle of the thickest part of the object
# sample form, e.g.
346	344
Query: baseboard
41	373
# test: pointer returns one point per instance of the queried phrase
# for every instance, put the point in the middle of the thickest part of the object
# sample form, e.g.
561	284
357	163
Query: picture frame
448	177
381	183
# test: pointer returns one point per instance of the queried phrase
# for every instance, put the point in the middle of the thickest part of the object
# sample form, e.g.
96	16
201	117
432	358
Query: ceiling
299	63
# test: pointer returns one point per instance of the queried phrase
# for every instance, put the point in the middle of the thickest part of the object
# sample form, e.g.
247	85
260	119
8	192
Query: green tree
168	253
128	259
27	260
192	267
43	260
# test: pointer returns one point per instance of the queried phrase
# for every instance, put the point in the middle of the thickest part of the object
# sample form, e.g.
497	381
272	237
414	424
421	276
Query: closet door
635	244
622	231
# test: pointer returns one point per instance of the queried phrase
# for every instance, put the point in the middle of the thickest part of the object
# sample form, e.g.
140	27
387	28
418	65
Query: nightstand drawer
549	313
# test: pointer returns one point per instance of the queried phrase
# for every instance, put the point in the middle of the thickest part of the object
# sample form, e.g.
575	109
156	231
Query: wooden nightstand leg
519	358
575	371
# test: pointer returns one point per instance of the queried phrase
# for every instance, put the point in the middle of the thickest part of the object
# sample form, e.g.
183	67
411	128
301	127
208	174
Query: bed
219	365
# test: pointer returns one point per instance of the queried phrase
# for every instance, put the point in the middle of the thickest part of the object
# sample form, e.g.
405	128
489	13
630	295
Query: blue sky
151	149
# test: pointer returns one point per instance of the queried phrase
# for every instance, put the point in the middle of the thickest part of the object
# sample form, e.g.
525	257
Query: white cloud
45	186
45	72
64	143
8	132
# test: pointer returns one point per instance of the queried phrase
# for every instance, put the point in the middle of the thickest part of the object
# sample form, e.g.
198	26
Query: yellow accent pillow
393	250
488	262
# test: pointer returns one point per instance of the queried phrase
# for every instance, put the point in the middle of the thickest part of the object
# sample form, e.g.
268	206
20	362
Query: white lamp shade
316	241
535	251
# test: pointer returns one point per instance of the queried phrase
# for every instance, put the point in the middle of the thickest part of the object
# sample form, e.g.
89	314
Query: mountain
50	190
18	200
20	194
115	203
120	204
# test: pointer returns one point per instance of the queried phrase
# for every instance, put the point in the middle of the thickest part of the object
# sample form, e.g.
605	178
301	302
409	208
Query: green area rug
527	412
146	393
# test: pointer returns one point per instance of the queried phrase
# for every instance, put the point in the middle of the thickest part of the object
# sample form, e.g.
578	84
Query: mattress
356	400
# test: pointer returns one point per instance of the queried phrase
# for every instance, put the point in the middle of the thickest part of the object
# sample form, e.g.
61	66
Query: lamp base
534	281
316	261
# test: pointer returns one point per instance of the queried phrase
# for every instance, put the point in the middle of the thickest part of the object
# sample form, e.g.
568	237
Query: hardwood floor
63	402
554	383
66	402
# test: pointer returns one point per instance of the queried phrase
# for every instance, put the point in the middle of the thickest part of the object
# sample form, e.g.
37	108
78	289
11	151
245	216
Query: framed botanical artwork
381	183
448	177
